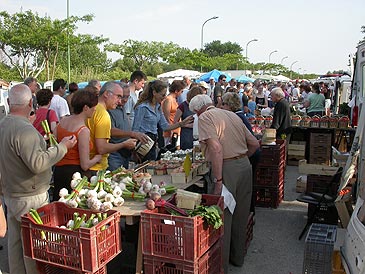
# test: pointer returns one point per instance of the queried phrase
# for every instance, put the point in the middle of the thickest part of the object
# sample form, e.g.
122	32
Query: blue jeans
115	160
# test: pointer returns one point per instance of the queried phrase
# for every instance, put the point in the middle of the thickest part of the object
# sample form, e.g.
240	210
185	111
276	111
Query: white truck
4	108
353	249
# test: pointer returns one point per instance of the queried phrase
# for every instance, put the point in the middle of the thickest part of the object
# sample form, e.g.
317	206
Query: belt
235	157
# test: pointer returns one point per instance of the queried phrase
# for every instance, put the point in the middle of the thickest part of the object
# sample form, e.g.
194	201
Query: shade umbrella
244	79
213	73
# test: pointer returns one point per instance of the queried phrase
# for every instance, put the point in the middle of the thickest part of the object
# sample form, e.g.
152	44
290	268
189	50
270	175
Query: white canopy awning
180	73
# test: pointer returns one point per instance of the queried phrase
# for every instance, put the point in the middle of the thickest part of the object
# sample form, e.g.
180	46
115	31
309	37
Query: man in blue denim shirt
121	131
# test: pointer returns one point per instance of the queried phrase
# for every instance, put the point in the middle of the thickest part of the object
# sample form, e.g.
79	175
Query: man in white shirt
136	83
58	103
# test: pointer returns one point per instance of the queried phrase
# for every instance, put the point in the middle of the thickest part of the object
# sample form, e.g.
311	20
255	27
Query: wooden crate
305	168
337	266
296	150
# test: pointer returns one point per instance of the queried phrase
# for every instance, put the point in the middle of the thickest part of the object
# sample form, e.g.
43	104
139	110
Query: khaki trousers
18	264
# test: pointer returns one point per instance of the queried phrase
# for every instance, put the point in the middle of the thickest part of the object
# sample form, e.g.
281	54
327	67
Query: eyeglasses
223	80
126	97
120	97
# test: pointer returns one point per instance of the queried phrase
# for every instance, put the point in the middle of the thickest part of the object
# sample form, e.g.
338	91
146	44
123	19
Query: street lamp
282	59
202	34
68	45
253	40
271	53
291	66
299	72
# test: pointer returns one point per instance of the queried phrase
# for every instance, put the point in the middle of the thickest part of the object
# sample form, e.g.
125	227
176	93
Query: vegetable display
110	188
74	224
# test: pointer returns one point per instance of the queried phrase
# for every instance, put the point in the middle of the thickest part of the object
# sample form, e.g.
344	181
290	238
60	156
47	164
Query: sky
316	35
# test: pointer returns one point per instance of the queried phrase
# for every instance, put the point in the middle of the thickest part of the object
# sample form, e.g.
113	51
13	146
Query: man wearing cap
58	103
204	86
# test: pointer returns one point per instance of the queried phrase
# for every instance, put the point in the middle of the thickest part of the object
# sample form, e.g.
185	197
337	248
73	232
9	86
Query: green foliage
31	43
211	214
216	48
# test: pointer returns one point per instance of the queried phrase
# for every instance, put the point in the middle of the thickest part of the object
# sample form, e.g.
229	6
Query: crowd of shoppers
98	128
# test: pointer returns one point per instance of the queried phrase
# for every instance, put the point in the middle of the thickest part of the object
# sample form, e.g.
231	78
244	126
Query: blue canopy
214	73
84	84
244	79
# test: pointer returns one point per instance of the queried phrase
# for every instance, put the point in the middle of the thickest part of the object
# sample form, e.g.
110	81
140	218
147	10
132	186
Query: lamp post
291	66
68	45
299	72
253	40
270	58
202	35
282	59
271	54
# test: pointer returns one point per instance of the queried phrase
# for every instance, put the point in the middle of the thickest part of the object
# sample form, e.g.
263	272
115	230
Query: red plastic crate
86	249
177	237
209	263
270	176
269	196
273	155
44	268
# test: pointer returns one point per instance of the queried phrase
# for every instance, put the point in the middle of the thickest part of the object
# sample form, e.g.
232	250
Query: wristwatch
215	180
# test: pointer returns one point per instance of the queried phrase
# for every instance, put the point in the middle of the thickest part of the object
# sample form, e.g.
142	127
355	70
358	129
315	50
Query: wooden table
131	210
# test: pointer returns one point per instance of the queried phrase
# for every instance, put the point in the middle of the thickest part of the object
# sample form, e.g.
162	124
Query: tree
216	48
142	52
87	59
30	41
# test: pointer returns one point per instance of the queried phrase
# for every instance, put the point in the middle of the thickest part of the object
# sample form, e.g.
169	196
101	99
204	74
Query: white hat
203	84
211	78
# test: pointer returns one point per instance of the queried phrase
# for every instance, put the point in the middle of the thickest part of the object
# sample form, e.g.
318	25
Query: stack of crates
269	186
60	251
177	244
320	149
326	214
319	245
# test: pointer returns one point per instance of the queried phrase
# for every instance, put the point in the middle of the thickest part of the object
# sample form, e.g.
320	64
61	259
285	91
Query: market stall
49	240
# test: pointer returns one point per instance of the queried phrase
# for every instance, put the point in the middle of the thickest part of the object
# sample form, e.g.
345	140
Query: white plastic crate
318	250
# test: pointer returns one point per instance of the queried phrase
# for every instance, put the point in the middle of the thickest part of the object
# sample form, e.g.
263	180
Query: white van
4	107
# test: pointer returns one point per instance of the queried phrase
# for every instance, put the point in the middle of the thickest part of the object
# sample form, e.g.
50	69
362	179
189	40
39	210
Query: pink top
41	115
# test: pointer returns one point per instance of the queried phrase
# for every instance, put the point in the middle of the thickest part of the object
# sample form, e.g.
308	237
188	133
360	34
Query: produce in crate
211	214
110	188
